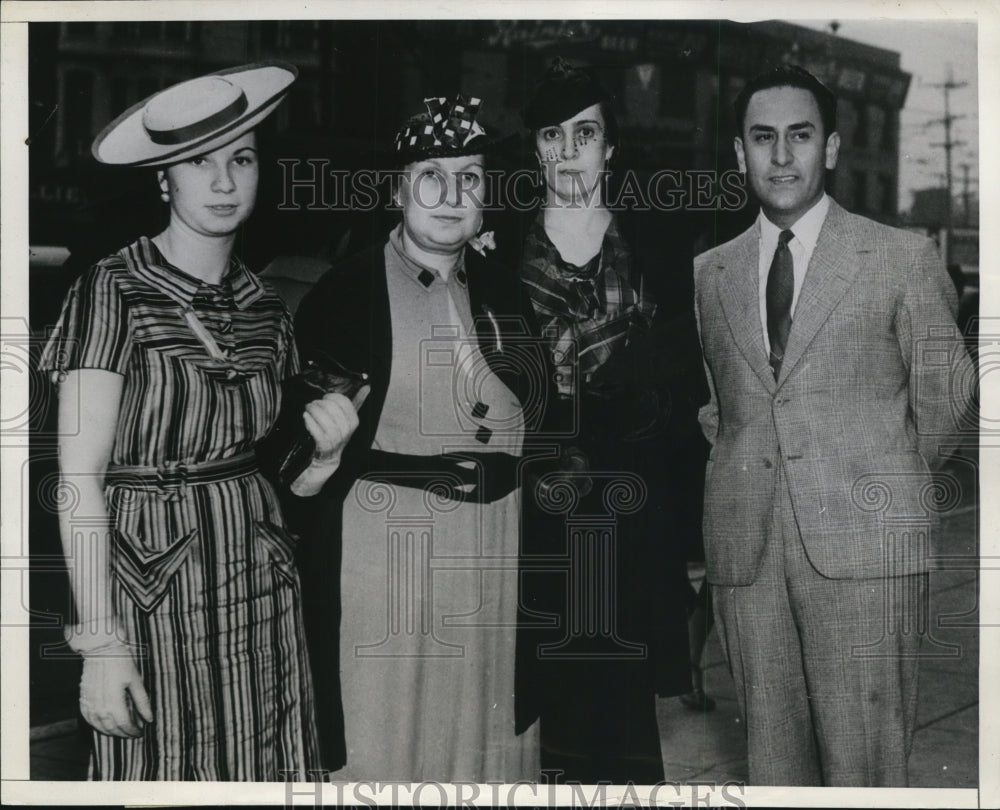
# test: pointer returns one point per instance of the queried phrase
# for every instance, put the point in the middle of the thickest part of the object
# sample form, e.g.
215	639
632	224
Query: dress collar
424	275
146	262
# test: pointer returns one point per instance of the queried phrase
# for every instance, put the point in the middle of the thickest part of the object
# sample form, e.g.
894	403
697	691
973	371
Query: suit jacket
347	316
874	381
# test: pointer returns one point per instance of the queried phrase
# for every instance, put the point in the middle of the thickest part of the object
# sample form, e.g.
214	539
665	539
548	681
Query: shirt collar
145	261
806	228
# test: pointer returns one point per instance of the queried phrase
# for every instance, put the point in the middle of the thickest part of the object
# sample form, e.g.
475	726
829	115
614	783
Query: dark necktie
780	288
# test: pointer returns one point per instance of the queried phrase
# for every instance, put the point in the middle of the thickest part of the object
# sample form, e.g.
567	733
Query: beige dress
429	583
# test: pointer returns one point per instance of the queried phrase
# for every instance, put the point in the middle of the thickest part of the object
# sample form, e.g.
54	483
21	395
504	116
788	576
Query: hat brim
496	147
481	146
125	141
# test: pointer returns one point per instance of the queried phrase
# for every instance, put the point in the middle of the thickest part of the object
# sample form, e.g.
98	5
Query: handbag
321	375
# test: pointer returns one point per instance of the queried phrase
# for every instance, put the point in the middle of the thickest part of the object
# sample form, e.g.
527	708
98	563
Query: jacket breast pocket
146	575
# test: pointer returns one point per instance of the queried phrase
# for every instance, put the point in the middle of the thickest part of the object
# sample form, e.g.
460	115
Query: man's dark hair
790	76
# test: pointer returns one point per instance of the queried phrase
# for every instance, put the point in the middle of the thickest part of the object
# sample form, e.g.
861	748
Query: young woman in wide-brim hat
169	355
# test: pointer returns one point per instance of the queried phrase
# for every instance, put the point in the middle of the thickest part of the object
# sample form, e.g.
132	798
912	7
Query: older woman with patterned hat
413	548
169	356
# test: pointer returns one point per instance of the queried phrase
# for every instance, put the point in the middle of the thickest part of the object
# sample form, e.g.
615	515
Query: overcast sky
926	50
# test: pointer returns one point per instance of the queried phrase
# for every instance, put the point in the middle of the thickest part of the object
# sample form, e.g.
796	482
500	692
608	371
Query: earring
165	195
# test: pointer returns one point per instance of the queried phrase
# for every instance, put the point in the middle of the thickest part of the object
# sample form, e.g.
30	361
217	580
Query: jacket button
767	464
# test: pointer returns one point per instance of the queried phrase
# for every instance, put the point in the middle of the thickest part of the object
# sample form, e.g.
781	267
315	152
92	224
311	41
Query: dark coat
591	678
347	316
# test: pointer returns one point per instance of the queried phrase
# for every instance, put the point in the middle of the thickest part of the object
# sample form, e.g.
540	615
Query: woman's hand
110	688
331	421
112	696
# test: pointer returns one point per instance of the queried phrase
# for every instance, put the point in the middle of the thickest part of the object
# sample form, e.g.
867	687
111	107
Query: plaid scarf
585	312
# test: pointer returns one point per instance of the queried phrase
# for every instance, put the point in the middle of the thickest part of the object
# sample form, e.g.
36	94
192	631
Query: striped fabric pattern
204	578
585	313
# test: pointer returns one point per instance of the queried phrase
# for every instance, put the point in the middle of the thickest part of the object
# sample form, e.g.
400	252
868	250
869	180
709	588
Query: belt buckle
171	481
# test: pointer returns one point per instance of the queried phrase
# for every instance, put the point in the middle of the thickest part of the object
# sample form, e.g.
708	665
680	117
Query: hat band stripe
206	126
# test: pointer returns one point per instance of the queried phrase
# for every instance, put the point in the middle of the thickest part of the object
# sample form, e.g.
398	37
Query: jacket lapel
832	270
492	308
737	290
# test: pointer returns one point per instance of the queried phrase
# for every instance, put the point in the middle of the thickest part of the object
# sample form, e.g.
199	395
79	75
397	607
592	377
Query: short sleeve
94	328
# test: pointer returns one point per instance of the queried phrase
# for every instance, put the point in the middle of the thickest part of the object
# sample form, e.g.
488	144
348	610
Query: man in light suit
836	375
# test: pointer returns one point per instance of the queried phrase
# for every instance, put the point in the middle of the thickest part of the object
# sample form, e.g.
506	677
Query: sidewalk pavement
710	747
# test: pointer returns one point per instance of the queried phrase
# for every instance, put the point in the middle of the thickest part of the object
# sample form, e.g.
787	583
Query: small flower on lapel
483	242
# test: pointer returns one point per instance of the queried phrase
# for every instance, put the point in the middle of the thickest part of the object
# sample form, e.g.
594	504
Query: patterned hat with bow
447	129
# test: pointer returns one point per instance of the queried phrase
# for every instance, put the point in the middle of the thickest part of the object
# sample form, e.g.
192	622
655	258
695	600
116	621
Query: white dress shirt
806	230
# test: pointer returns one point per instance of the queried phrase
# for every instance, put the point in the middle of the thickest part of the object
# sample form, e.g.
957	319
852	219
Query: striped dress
203	574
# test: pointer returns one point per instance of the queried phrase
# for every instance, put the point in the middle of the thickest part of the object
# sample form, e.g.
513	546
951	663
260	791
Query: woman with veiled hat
169	356
613	295
412	552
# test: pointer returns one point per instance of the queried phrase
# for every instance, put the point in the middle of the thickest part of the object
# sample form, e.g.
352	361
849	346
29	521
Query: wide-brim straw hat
195	116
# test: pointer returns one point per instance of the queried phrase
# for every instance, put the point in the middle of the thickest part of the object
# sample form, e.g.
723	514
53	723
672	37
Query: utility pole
966	168
948	145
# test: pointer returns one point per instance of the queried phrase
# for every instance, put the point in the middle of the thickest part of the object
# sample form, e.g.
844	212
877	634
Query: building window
119	95
727	114
890	141
861	125
860	192
677	90
79	99
520	69
886	193
876	125
302	110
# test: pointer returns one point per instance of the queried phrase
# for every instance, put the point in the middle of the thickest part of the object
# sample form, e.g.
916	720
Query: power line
949	144
966	183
